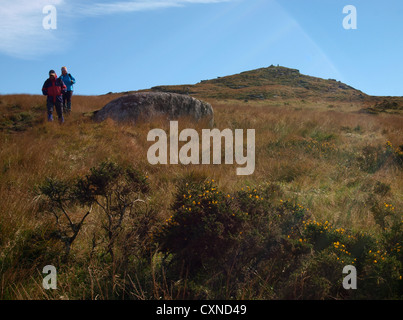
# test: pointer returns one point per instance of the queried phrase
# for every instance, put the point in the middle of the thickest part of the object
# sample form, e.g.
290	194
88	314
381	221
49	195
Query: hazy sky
114	46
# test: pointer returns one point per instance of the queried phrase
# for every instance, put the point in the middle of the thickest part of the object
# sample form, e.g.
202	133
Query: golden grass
63	151
327	184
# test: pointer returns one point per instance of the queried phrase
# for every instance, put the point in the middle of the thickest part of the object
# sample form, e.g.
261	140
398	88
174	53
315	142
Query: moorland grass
319	170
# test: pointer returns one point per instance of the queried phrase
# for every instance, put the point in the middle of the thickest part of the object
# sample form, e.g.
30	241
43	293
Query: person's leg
69	94
59	110
49	106
64	102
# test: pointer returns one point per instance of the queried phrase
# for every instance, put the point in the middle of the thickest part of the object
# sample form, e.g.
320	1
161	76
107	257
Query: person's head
52	74
64	70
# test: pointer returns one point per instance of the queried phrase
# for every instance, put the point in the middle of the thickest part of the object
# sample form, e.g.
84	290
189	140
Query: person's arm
73	81
62	86
44	89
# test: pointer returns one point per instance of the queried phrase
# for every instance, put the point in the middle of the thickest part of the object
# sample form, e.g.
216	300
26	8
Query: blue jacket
68	80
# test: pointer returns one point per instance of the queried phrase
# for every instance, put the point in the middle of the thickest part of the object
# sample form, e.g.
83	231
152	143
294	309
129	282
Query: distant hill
269	83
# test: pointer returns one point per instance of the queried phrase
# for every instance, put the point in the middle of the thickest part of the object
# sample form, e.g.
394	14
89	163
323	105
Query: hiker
54	89
68	80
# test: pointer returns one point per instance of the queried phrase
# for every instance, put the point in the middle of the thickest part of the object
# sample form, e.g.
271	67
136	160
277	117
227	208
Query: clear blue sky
114	46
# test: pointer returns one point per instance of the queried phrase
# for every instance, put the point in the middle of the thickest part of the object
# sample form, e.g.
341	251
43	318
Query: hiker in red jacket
54	89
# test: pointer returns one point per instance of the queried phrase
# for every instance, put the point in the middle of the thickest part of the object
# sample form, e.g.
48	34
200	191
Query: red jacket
54	89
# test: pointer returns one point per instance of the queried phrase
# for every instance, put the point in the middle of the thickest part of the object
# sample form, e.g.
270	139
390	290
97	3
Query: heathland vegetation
326	192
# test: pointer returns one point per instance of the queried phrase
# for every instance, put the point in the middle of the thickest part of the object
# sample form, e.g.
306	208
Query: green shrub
204	224
384	213
230	235
371	159
378	261
318	278
395	153
219	245
321	235
374	158
113	188
381	277
381	188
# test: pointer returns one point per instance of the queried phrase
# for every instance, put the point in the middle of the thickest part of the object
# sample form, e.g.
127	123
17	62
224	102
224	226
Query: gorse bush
340	243
205	224
371	159
374	158
114	189
59	197
324	148
306	154
229	234
249	243
384	214
395	153
378	260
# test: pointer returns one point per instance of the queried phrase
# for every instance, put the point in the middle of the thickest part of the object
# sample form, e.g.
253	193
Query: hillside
269	83
327	191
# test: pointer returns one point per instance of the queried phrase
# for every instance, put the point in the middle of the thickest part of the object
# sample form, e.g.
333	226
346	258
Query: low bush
247	244
373	158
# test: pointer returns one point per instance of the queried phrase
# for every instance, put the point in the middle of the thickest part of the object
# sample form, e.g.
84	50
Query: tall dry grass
329	183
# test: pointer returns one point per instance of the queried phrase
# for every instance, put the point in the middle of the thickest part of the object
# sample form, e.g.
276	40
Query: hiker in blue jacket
68	80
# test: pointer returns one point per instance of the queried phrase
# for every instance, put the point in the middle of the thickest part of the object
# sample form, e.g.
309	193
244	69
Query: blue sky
115	46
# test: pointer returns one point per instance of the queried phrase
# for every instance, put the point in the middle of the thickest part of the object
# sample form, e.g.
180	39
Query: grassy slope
309	148
271	83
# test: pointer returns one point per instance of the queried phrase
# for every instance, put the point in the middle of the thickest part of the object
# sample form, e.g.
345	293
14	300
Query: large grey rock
146	106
